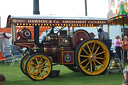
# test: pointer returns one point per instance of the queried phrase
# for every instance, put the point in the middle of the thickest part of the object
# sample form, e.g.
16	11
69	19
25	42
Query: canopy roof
118	12
6	30
118	20
56	21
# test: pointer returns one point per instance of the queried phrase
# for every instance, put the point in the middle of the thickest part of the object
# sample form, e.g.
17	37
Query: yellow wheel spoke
33	72
101	53
38	71
89	49
43	63
35	75
84	56
99	62
45	66
86	65
97	49
33	63
30	68
99	58
41	60
44	71
83	61
93	47
36	60
95	65
84	50
41	73
91	66
34	67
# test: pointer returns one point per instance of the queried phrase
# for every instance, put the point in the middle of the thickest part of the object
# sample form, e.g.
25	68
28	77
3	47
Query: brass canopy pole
68	31
108	31
72	29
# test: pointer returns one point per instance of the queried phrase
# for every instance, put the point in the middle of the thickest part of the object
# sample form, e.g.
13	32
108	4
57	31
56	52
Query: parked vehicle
78	50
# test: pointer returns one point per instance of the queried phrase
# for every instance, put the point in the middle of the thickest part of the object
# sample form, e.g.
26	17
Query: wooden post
123	43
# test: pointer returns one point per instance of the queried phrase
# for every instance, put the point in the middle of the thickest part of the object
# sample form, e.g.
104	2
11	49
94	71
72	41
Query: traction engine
79	51
62	44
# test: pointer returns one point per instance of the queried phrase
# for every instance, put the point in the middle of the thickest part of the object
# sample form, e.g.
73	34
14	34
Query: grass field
14	76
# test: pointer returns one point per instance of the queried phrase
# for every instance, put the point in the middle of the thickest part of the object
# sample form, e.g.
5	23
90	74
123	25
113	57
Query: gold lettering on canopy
73	22
97	22
60	22
15	20
37	21
55	21
50	21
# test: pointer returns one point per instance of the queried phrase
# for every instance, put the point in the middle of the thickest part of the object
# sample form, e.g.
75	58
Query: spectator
118	48
104	37
2	79
125	81
125	43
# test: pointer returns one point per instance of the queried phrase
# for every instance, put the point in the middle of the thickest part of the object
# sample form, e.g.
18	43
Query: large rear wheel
92	57
38	67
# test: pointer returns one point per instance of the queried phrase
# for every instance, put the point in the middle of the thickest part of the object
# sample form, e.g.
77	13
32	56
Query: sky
95	8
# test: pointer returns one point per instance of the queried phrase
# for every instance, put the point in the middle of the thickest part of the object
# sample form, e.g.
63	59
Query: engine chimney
36	28
36	7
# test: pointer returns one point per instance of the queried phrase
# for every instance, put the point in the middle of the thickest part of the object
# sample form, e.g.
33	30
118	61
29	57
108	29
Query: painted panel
67	57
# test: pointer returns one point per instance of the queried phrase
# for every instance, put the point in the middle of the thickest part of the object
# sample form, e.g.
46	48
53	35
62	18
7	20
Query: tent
4	41
118	15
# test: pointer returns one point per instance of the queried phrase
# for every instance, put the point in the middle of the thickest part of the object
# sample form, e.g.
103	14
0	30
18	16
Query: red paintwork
60	48
22	34
78	35
71	60
47	49
60	41
29	45
59	57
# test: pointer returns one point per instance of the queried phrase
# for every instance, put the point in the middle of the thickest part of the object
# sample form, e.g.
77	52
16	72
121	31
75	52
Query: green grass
14	76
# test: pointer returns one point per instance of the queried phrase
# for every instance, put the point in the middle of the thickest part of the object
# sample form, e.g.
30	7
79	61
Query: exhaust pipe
36	7
36	28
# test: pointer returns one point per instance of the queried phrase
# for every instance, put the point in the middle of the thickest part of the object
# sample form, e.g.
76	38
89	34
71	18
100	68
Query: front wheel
38	67
92	57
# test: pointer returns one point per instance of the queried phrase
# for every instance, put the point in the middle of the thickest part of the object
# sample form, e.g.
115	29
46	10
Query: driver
104	37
